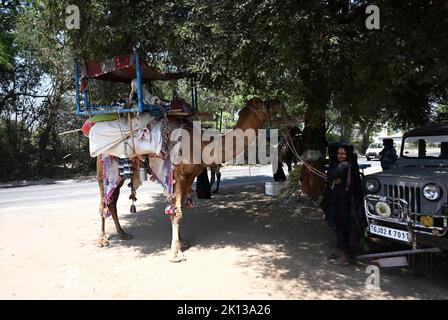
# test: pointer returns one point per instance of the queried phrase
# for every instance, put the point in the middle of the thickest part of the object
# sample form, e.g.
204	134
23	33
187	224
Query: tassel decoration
170	210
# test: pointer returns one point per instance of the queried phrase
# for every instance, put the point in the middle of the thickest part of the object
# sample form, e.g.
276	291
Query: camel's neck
243	134
249	119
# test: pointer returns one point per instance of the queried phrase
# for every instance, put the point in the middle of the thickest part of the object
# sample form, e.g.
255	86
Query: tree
315	56
35	101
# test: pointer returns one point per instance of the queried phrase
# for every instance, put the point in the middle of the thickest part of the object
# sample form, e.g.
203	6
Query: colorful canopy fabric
123	69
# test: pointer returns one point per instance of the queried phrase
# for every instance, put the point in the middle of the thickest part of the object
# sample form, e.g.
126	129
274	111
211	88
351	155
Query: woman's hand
335	182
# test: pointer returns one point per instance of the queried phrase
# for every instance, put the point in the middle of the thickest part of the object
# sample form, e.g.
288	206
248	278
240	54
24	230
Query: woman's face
342	154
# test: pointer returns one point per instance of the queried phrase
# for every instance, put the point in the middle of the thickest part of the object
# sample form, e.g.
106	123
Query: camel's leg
113	210
181	190
187	189
102	240
176	254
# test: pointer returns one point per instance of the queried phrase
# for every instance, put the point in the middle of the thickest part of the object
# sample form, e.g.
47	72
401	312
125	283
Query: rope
292	147
256	112
123	135
132	131
306	164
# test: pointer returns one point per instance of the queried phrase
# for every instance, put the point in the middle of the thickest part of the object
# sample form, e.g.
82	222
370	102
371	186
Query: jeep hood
427	173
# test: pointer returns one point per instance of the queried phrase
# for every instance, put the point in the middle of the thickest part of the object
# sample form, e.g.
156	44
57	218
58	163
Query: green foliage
9	10
293	185
36	98
309	54
283	48
6	54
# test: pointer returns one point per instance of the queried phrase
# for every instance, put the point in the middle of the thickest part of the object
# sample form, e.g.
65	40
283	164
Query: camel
253	116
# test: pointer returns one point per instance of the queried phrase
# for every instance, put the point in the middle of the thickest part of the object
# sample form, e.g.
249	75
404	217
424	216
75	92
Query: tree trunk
346	129
314	141
367	128
365	142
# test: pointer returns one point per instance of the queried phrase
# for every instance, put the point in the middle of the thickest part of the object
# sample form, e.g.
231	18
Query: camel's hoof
125	236
178	258
102	242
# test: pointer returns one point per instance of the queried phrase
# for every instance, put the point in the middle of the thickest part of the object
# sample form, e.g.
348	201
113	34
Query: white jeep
410	202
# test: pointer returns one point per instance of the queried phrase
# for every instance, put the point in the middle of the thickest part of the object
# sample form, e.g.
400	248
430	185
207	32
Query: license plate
395	234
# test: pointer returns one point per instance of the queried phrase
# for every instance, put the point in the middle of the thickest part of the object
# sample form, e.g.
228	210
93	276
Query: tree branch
31	95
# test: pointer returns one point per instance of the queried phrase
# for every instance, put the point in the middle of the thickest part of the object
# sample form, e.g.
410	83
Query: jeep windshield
426	147
376	146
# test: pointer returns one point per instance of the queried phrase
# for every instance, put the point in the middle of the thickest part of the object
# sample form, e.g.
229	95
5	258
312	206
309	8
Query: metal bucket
143	174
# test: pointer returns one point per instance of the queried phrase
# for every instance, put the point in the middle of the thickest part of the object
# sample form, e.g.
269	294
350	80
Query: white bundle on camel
114	137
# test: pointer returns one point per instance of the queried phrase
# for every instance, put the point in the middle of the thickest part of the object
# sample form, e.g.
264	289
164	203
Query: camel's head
265	109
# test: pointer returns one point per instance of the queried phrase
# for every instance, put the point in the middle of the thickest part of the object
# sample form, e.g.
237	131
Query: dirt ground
245	245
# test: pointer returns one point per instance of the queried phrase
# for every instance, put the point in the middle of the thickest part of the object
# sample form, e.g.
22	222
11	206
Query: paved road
71	190
375	166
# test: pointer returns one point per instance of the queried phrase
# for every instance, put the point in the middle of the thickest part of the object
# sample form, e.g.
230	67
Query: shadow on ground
279	242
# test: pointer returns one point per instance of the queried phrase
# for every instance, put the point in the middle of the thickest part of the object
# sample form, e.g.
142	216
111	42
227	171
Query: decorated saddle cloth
111	179
158	139
162	166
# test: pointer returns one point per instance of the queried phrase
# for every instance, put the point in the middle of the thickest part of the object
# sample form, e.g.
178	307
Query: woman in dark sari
344	209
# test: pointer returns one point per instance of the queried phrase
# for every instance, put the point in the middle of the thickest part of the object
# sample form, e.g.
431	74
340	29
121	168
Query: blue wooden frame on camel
124	69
